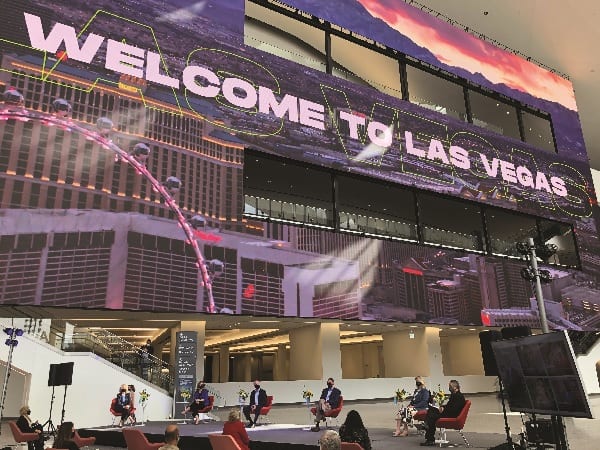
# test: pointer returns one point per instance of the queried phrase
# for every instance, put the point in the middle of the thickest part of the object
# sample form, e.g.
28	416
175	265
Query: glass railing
116	350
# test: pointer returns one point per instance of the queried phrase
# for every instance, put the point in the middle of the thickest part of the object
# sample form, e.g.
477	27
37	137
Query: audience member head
354	421
24	411
330	440
131	388
420	382
64	434
200	385
256	384
171	434
454	386
234	415
123	388
330	382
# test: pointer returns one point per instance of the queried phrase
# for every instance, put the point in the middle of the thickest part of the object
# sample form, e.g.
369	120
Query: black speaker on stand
491	370
58	375
65	377
52	381
516	332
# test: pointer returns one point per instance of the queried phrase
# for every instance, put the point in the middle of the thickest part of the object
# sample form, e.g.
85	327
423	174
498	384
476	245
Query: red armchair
265	409
19	436
223	442
208	408
455	423
332	413
136	440
116	414
350	446
83	441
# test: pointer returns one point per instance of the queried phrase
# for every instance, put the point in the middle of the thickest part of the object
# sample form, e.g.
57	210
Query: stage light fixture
527	274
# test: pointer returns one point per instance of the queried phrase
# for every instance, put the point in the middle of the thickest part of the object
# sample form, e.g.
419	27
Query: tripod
51	428
62	414
509	442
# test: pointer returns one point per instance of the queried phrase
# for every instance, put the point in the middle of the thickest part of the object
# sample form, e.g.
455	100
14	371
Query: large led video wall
124	131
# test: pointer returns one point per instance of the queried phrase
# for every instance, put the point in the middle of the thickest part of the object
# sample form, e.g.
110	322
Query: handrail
117	350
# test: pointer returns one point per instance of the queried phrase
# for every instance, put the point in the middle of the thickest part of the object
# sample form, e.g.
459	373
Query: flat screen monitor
540	376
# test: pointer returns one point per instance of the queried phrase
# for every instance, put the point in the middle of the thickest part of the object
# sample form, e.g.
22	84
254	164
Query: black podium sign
186	352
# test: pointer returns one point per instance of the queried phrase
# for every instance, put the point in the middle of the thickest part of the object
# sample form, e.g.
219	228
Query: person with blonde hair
330	440
26	425
235	428
419	402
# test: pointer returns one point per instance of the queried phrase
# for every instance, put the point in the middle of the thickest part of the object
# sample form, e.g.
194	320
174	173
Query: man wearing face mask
455	404
330	399
123	404
258	399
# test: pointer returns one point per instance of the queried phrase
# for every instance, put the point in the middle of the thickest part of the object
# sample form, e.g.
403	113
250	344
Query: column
315	352
223	364
281	364
412	352
199	326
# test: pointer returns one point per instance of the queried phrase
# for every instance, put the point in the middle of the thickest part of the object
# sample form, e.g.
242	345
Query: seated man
455	405
330	399
258	399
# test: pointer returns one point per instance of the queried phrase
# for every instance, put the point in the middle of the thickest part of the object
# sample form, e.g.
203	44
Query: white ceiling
561	34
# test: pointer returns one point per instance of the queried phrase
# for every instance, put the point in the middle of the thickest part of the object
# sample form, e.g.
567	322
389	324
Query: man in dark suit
330	399
453	408
258	399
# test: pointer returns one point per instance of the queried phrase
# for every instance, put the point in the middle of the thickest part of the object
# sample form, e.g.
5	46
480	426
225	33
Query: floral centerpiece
185	394
307	394
242	395
144	396
400	395
439	396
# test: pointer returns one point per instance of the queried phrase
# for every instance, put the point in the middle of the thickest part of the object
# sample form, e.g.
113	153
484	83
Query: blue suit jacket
334	397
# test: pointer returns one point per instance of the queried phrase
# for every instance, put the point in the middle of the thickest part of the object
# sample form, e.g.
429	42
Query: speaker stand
62	414
51	428
509	442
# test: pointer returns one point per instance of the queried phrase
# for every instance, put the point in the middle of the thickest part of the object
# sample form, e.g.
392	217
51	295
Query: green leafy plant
144	396
306	393
242	394
185	394
400	394
439	396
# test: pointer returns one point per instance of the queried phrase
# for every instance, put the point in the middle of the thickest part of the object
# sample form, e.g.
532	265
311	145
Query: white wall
95	383
352	389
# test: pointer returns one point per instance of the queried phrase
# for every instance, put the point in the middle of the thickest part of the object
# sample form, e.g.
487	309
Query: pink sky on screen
457	48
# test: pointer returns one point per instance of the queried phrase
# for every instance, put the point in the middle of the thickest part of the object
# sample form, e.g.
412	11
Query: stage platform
277	436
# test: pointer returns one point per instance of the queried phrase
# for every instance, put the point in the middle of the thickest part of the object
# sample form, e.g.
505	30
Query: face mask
122	390
202	386
419	384
256	386
28	412
330	385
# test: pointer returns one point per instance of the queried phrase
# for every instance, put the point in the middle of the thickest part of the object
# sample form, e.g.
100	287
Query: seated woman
64	437
235	428
199	401
419	402
26	425
353	430
123	404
